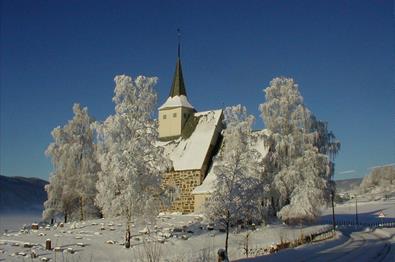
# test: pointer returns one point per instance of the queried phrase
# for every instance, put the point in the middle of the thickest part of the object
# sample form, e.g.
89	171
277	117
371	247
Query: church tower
174	113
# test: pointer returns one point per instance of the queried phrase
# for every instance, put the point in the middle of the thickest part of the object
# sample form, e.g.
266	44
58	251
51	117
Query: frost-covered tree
381	180
131	163
72	186
307	181
300	159
237	169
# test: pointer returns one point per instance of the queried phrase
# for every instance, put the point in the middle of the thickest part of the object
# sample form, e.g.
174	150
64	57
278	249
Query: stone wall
184	182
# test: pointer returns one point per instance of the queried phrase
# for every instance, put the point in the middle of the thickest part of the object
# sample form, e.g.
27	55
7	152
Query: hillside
380	181
346	185
20	194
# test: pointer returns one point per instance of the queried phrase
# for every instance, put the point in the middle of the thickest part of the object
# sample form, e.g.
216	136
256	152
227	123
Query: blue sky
55	53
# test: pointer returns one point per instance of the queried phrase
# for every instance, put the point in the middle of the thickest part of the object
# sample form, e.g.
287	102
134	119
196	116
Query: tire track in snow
330	254
383	253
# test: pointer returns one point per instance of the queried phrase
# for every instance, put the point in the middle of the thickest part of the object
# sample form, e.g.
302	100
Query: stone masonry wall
185	182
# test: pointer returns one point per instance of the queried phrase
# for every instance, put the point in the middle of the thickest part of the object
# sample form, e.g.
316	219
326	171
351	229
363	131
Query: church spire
178	86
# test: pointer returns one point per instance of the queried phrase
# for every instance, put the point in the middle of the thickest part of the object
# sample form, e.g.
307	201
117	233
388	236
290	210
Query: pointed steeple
178	86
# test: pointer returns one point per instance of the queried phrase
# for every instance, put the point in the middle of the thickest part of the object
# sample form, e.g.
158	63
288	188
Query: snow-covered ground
184	237
368	211
361	246
351	243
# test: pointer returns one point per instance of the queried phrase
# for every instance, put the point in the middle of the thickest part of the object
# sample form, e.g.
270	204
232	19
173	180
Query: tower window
185	115
174	114
164	116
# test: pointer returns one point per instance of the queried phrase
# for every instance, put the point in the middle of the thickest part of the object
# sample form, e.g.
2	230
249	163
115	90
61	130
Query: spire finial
179	41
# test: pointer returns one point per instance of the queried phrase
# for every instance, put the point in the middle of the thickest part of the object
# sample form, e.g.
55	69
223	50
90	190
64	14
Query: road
377	245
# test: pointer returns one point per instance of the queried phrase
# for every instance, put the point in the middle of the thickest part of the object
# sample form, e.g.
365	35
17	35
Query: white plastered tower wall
173	116
174	113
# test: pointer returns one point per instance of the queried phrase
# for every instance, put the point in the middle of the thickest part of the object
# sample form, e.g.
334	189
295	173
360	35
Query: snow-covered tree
308	183
237	169
301	152
131	163
381	180
72	186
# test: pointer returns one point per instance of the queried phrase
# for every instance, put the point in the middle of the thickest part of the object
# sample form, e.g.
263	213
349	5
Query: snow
89	246
368	211
257	142
176	101
190	153
208	185
185	242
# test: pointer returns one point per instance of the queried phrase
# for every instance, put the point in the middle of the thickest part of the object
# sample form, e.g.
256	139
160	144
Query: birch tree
302	150
131	163
72	186
235	196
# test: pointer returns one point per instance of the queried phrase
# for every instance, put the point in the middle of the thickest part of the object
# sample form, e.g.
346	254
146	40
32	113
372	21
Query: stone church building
190	139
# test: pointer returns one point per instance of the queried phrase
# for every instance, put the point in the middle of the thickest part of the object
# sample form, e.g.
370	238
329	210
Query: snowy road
378	245
361	246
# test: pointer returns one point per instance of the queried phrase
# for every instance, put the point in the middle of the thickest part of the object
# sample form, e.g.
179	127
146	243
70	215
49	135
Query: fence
376	224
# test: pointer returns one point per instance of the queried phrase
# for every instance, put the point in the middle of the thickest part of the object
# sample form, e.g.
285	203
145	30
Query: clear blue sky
55	53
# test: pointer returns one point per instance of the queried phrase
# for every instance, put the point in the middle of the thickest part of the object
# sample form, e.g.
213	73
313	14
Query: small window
164	116
185	115
174	114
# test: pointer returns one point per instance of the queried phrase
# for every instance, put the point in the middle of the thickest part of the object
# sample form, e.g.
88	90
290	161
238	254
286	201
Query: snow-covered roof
190	153
257	142
176	101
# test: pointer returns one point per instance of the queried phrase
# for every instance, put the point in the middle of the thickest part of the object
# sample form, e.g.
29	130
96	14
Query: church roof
178	86
176	101
190	153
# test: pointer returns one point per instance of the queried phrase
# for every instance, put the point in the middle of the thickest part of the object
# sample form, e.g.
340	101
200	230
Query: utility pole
356	210
333	192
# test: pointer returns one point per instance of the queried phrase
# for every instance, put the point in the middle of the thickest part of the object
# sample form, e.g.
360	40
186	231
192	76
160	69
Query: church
191	139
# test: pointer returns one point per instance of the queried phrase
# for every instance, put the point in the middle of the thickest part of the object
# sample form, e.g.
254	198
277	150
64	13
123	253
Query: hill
380	181
21	194
346	185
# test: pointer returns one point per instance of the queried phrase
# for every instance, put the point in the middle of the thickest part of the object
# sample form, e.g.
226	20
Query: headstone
48	244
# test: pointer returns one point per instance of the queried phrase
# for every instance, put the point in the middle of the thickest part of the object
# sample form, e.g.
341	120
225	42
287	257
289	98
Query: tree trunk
127	237
81	209
273	207
333	211
227	231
